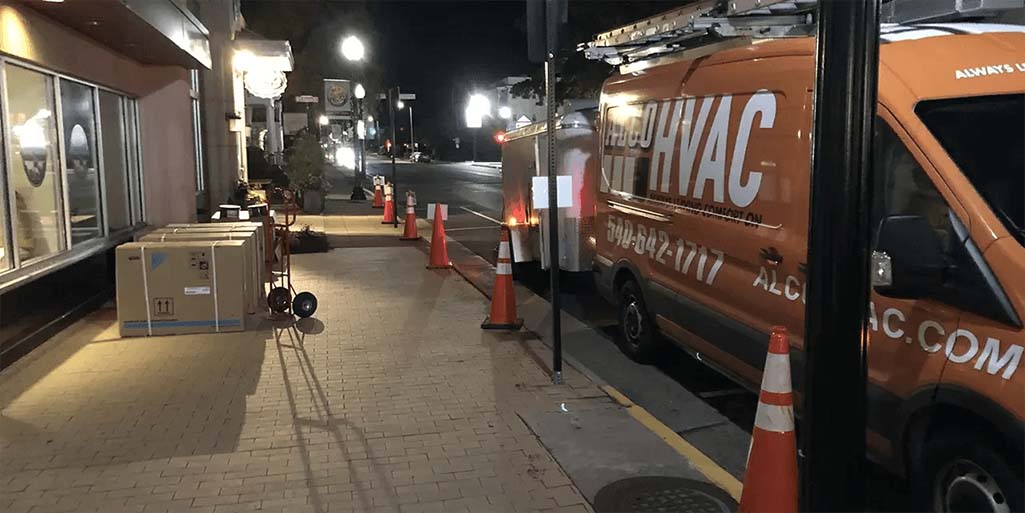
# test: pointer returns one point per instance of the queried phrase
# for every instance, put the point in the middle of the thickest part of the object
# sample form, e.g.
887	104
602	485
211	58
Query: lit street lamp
504	112
323	120
352	48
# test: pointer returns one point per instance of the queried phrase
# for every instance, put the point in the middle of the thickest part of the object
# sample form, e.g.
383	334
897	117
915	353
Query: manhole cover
662	494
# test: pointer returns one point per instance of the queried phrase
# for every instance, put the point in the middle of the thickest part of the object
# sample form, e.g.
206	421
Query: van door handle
770	254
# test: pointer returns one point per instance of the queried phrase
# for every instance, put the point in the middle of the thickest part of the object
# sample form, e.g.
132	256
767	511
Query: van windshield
984	136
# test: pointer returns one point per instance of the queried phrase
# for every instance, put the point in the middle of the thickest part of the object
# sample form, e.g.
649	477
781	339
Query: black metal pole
360	171
836	335
393	96
551	22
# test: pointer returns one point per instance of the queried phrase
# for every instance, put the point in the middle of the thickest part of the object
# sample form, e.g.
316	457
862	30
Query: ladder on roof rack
703	27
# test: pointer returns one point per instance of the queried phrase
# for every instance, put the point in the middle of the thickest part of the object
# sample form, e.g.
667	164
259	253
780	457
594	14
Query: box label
163	306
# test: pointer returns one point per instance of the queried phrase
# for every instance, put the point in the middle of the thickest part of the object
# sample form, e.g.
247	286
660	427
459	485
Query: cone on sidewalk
439	248
503	299
378	197
409	231
389	205
770	482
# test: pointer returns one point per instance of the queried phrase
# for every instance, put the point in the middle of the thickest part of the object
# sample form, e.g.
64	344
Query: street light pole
412	141
352	50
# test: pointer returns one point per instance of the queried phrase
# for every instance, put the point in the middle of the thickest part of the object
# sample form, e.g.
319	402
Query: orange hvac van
702	221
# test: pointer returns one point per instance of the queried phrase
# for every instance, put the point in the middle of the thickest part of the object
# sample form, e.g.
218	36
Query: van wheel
960	472
637	329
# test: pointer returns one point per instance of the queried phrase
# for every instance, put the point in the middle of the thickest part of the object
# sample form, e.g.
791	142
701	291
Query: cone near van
770	481
439	247
378	197
409	230
503	299
389	205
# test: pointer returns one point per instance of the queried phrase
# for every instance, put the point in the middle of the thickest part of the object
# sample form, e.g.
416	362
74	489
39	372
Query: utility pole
552	46
839	238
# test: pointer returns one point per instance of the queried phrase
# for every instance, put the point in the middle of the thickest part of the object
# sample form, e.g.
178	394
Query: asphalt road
473	194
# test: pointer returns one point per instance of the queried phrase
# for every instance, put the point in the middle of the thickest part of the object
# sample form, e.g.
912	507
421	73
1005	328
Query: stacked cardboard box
251	262
166	288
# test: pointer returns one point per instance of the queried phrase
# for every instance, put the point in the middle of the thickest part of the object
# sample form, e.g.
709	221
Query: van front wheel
637	329
960	472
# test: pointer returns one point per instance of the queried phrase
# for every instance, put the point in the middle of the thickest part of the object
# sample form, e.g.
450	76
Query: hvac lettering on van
960	346
666	136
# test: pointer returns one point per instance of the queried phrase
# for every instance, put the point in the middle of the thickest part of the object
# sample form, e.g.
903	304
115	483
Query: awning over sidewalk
156	32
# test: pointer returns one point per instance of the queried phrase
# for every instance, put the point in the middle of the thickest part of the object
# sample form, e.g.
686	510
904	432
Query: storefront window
134	159
33	175
115	170
78	113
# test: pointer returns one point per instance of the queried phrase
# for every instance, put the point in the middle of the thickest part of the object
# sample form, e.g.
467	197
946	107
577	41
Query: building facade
98	129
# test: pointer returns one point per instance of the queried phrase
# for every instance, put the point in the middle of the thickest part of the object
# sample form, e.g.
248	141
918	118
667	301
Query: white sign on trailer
564	191
430	211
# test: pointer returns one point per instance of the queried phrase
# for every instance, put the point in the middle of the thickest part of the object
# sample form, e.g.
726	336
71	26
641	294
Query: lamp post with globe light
359	92
353	50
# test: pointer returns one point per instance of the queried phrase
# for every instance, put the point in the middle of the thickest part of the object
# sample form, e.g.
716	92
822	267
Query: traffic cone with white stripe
378	197
409	231
439	247
770	482
389	205
503	300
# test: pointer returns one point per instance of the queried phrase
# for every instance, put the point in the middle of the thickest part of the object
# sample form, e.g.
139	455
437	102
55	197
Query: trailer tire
961	472
637	339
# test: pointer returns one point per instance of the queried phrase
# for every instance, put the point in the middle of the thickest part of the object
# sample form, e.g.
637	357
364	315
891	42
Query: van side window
903	188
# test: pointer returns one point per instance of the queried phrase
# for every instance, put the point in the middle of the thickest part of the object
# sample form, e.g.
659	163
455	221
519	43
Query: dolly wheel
278	299
304	304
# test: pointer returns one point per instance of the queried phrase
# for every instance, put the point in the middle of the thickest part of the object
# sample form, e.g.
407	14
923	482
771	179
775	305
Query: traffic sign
402	96
307	98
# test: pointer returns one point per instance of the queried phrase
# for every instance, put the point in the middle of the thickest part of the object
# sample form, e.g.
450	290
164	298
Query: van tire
637	337
984	474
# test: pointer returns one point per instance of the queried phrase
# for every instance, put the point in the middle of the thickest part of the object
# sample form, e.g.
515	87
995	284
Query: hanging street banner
338	99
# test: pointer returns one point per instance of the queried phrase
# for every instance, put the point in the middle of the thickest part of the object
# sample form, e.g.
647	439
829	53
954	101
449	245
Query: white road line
468	228
478	214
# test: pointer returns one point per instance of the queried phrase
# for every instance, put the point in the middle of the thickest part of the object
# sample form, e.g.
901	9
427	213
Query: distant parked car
419	156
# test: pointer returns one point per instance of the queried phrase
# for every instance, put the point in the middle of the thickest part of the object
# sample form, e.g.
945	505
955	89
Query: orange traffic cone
503	300
378	197
389	205
409	231
770	482
439	248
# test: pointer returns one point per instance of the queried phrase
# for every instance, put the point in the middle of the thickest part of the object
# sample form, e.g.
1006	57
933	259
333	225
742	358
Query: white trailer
525	156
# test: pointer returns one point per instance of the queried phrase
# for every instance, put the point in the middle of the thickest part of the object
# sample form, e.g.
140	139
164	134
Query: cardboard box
255	293
172	288
264	243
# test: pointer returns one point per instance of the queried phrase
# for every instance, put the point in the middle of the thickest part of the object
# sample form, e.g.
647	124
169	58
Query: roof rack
702	27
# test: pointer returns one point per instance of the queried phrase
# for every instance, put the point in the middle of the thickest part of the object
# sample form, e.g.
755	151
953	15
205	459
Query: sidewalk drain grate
662	494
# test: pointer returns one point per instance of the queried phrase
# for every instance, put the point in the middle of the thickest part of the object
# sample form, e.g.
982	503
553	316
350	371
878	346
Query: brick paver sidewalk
395	400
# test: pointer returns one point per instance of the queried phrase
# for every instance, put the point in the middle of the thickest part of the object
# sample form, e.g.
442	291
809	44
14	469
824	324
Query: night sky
442	51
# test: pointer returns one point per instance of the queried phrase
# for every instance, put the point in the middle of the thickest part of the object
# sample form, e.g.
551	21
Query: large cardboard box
170	288
255	300
264	235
